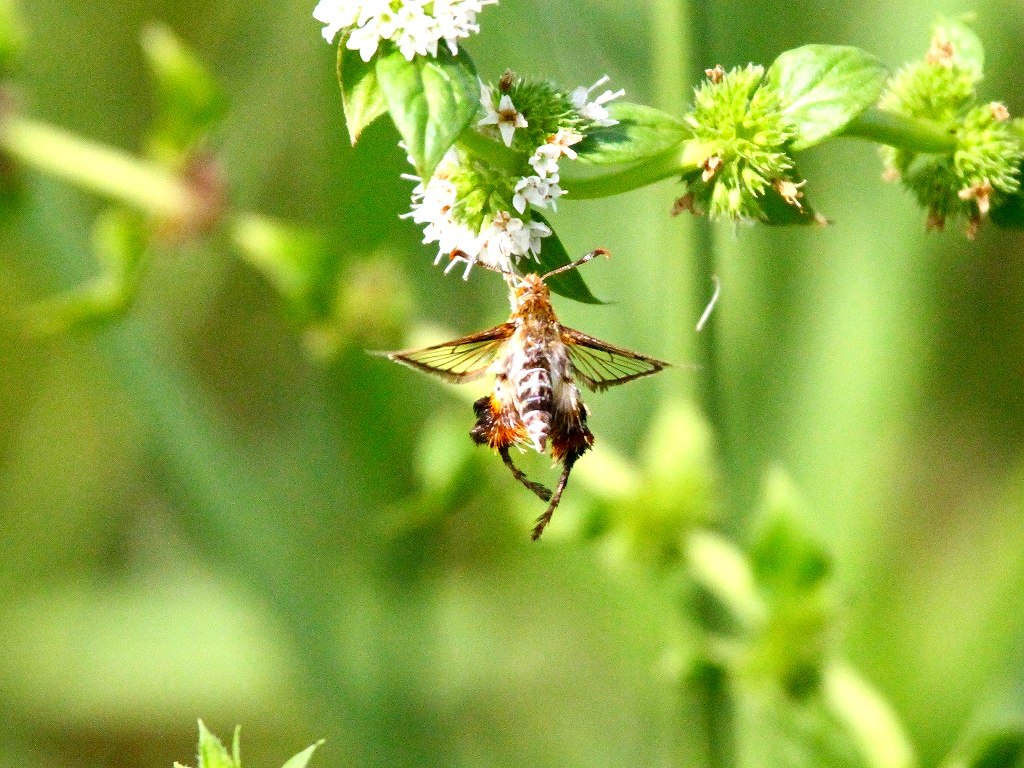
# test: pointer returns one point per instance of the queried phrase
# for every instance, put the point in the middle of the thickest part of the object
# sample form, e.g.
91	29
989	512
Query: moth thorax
533	387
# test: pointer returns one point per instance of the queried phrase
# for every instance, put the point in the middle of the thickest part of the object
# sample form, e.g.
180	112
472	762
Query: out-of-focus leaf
361	96
787	561
120	241
569	284
301	760
996	748
431	100
868	719
190	104
213	754
641	133
293	259
968	51
824	87
12	38
719	568
678	487
790	572
776	731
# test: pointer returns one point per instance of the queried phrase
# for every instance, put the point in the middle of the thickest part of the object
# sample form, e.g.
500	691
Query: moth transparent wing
600	365
460	360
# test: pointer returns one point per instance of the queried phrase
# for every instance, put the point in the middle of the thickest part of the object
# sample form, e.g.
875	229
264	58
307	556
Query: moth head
531	285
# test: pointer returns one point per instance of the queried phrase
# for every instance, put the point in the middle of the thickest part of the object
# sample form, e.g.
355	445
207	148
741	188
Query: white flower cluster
595	111
505	238
415	26
541	190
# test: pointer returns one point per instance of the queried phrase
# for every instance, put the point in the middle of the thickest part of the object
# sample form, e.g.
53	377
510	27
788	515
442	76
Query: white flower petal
412	27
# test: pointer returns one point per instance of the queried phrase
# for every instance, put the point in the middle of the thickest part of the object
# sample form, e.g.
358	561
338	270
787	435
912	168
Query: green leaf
361	96
641	133
1003	748
120	241
431	100
824	87
12	38
968	51
190	104
294	260
569	284
867	718
787	560
212	753
777	731
302	758
790	570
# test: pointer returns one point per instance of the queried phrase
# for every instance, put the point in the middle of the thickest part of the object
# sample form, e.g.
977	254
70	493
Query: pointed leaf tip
361	96
301	759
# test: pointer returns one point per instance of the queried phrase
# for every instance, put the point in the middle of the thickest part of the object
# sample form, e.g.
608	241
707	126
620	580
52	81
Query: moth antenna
711	304
542	491
544	519
579	262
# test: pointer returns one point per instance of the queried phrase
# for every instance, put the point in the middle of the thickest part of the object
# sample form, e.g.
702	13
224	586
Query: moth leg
498	429
544	519
542	491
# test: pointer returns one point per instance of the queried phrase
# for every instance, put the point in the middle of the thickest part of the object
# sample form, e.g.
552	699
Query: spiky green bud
985	166
481	189
545	107
740	143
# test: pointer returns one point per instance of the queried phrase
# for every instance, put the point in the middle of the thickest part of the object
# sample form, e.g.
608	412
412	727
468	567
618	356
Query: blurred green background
199	517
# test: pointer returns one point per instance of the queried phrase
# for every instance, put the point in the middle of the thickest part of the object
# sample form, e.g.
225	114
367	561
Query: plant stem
615	182
103	170
900	132
712	688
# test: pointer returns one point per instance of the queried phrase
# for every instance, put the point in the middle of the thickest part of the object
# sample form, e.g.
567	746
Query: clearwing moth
536	362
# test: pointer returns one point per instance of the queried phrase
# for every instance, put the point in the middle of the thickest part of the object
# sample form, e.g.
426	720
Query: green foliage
201	423
361	96
431	100
642	133
190	104
12	39
983	172
773	729
1003	748
823	87
294	260
121	240
213	754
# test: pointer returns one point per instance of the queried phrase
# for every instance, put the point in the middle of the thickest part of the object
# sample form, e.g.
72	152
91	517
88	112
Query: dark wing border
460	360
600	365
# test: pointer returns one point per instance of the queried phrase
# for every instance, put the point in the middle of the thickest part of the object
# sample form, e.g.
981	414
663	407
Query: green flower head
740	147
